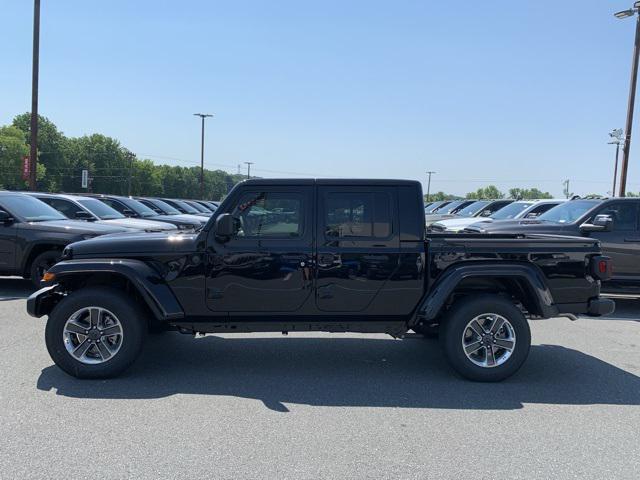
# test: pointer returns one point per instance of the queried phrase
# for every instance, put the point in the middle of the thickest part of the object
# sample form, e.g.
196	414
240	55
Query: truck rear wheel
95	333
485	338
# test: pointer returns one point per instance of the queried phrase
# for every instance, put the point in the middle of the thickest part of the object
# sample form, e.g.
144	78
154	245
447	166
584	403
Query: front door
358	245
622	243
266	266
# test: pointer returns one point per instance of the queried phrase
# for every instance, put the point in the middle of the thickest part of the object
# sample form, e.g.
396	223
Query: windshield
511	211
29	208
200	208
569	212
185	206
140	208
162	207
101	210
475	207
452	206
434	206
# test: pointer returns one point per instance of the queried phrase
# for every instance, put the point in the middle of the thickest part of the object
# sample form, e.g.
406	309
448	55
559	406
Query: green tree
439	196
489	192
12	149
51	150
528	194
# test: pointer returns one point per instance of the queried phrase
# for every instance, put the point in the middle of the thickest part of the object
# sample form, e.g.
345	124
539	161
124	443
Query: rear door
357	245
622	243
8	233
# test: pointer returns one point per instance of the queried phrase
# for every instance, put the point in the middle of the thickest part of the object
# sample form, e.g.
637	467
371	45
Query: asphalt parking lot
323	406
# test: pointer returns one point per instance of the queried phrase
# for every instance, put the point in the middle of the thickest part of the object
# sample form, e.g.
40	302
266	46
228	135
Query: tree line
492	192
112	167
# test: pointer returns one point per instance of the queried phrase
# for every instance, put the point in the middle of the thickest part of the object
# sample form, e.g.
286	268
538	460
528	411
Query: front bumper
42	301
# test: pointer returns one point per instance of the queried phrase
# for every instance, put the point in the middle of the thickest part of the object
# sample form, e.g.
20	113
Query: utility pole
248	169
635	11
33	155
202	116
429	184
617	140
131	156
566	188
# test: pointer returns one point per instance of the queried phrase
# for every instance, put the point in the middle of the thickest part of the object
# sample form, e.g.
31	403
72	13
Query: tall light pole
248	169
202	116
429	185
33	152
632	94
616	135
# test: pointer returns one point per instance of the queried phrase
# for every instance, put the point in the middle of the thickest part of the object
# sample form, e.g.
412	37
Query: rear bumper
595	307
601	306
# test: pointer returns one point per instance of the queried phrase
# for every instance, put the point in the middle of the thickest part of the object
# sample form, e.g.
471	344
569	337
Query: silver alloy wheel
92	335
488	340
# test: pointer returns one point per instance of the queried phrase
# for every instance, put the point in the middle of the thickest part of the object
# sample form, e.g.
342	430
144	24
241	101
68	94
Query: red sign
26	167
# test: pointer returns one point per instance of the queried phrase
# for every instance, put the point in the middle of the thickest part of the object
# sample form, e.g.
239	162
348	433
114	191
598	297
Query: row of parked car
613	221
35	227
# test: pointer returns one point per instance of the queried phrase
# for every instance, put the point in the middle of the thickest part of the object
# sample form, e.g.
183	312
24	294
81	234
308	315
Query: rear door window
357	215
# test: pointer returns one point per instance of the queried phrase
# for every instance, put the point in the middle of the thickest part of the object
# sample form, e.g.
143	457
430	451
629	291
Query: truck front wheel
95	333
485	338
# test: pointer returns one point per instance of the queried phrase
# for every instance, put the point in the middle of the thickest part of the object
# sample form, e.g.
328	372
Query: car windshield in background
475	207
31	209
511	211
163	206
188	208
451	207
434	206
140	208
199	207
569	212
101	210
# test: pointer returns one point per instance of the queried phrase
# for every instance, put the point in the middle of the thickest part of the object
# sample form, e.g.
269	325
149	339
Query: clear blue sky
511	93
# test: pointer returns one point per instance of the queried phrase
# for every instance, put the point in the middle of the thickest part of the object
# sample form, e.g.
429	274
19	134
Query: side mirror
601	223
224	226
5	217
82	215
129	213
532	215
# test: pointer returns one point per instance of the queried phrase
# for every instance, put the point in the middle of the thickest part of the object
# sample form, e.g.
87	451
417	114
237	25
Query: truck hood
519	226
136	243
183	217
74	227
457	224
140	224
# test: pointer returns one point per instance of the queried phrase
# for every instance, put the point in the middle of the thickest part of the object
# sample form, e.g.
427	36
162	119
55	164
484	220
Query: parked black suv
615	222
317	255
32	235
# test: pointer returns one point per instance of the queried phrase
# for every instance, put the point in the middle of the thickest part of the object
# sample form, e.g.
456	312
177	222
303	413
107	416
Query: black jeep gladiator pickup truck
317	255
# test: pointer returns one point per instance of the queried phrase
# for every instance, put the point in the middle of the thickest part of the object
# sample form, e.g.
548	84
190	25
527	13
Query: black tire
427	331
41	264
455	324
132	320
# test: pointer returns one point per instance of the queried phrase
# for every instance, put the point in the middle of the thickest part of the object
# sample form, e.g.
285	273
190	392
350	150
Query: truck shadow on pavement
351	372
15	288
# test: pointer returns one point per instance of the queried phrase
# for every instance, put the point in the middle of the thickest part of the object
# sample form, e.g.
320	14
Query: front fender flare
147	281
433	302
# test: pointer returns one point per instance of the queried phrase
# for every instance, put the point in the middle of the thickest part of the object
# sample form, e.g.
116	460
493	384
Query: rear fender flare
435	299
